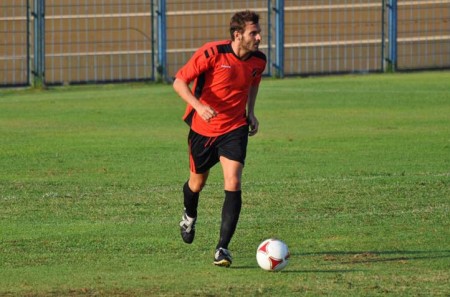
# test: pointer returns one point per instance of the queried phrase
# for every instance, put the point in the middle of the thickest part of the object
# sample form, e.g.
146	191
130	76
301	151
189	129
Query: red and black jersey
222	81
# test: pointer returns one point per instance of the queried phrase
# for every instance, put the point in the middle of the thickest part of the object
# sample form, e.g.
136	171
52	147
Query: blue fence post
29	82
162	41
269	37
392	35
152	29
279	38
39	44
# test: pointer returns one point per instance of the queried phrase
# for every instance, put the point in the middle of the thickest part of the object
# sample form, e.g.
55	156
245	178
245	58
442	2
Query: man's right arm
183	90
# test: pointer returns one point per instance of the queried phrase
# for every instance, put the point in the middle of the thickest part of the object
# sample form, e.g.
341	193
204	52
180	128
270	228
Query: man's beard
250	46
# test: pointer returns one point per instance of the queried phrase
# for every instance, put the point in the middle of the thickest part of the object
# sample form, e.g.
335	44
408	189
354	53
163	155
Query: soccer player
220	112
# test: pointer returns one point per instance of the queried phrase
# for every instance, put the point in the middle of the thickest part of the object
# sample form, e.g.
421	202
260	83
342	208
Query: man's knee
197	182
232	183
196	187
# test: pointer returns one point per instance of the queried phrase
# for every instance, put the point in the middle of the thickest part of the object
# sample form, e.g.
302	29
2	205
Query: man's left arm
251	118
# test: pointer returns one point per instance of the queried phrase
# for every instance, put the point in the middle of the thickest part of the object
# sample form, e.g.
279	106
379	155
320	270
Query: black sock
190	201
230	216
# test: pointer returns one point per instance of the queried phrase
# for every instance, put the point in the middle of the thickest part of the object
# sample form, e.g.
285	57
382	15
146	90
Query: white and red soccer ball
272	255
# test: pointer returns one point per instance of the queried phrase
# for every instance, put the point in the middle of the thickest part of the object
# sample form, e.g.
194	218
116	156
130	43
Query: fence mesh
333	36
117	40
14	67
423	34
98	41
191	23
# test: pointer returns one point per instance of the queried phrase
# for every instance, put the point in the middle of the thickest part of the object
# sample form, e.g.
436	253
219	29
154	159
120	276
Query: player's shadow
358	257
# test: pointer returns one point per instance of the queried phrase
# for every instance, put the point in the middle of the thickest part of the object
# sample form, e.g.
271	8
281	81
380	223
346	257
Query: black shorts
204	152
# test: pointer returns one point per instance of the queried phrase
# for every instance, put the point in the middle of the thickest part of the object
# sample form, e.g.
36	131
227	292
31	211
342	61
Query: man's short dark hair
239	20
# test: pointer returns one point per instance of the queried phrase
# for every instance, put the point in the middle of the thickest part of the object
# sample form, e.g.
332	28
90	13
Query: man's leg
191	193
232	172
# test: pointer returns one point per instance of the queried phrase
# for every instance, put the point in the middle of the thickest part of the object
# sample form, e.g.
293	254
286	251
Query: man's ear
237	35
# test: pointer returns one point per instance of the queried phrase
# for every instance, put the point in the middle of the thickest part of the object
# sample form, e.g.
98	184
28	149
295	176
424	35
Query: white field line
168	188
436	209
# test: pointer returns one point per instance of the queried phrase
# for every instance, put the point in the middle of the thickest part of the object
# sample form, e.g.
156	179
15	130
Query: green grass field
352	172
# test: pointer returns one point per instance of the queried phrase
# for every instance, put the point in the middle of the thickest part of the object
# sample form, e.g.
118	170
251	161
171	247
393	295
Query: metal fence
334	36
423	34
99	41
193	23
84	41
14	43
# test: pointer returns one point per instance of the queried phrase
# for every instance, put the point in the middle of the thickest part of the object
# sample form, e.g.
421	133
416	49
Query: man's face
251	38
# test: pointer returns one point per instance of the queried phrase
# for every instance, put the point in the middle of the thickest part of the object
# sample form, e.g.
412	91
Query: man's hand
253	125
206	112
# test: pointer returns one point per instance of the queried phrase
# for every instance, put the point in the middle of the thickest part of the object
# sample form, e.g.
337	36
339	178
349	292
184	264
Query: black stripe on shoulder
224	48
211	52
259	55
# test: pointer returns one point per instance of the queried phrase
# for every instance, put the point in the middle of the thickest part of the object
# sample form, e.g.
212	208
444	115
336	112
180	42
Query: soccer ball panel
272	255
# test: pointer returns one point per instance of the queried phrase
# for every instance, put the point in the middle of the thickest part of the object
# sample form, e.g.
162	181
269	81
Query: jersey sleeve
257	79
260	65
197	64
